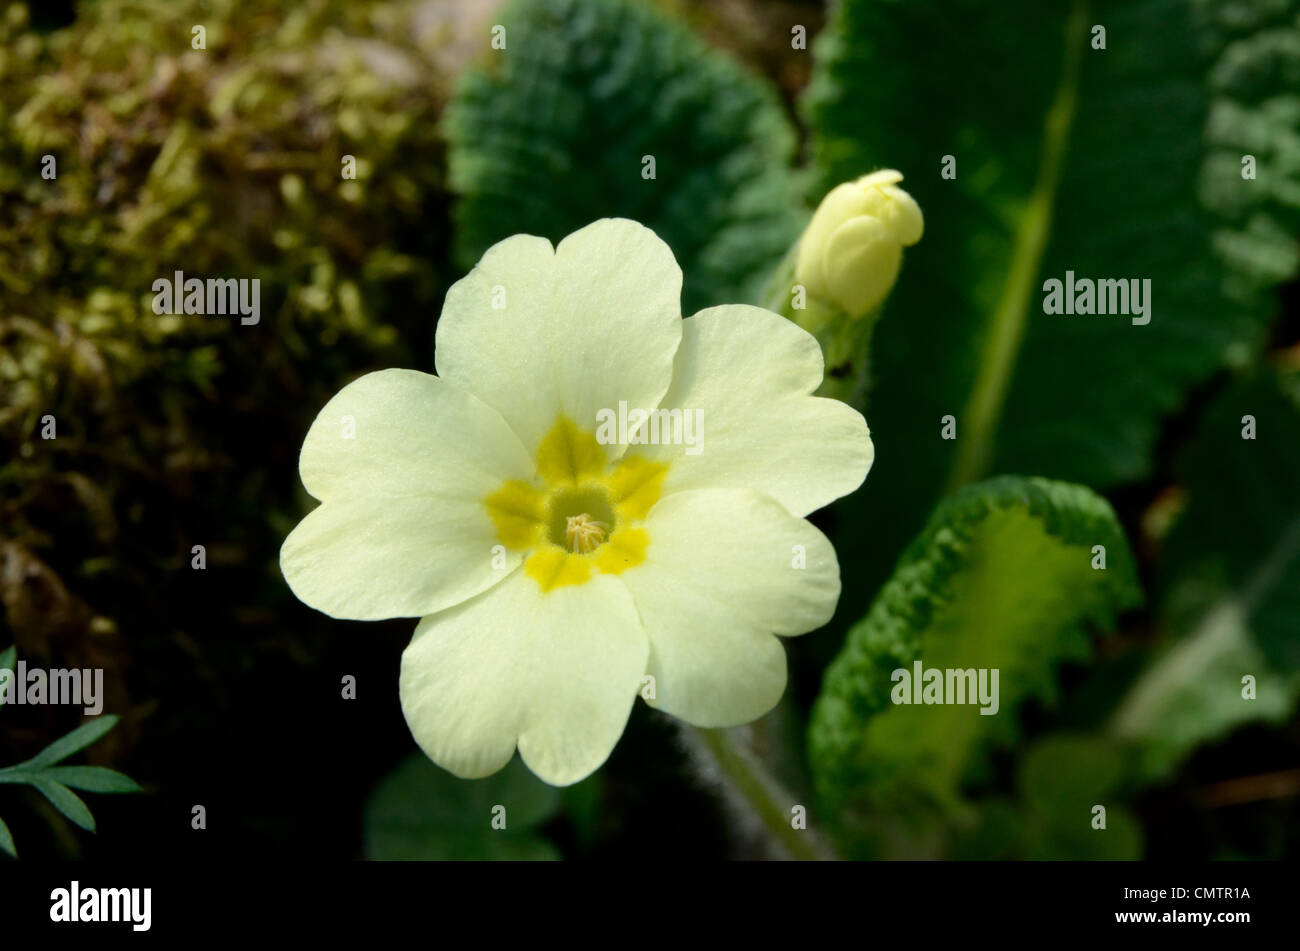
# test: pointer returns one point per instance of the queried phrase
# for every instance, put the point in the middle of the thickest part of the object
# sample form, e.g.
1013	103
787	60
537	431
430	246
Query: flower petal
580	327
556	672
860	264
402	462
749	373
842	203
903	216
721	576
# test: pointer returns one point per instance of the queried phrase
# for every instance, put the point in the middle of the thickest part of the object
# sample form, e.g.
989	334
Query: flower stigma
584	534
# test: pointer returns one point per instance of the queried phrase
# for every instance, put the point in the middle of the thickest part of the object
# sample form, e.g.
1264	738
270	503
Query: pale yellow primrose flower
851	251
552	573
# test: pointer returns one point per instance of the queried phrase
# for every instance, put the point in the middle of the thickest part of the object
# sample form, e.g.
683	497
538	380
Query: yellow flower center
582	515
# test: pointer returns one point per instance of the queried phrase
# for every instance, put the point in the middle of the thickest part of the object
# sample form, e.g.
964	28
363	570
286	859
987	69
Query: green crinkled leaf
1100	162
1255	111
1001	578
549	135
1232	581
420	812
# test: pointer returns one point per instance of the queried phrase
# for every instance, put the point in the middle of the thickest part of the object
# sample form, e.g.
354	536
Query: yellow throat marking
581	516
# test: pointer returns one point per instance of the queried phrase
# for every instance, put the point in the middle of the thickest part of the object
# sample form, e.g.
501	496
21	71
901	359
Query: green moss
223	162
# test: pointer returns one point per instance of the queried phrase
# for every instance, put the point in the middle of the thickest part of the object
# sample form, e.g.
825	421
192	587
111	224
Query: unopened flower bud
851	251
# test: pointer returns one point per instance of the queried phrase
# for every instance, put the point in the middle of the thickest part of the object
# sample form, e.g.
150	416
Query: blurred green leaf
1063	778
1001	578
66	801
550	134
1232	580
78	739
420	812
92	779
582	804
1061	837
990	831
1069	772
7	840
1068	158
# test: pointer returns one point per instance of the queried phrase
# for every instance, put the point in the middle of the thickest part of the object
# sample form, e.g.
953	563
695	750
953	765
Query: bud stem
845	340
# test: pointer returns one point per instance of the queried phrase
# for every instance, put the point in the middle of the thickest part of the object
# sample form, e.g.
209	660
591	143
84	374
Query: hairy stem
745	779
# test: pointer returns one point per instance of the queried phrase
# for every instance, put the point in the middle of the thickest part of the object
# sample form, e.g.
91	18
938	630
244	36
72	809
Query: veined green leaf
78	739
1107	163
1232	581
1001	579
554	130
66	801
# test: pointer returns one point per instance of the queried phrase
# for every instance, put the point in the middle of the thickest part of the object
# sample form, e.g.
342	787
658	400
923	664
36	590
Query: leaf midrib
983	410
